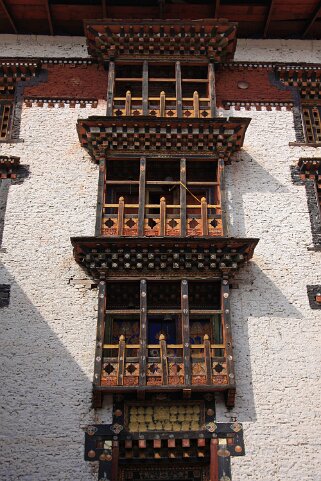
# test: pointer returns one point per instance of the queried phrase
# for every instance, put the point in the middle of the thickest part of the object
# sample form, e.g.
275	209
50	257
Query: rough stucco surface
48	332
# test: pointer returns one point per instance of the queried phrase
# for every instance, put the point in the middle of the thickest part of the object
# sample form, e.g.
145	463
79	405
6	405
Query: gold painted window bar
170	90
311	115
197	357
183	203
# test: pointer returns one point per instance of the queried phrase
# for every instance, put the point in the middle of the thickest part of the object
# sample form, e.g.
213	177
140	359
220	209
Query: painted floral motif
116	428
211	427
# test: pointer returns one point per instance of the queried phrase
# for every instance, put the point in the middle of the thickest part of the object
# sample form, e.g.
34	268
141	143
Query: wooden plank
212	89
216	8
120	216
163	355
100	333
314	17
143	333
227	333
9	16
110	88
207	357
141	201
162	104
213	460
183	197
49	17
268	18
196	104
162	215
222	195
121	360
204	216
185	333
100	197
145	88
114	462
179	101
104	8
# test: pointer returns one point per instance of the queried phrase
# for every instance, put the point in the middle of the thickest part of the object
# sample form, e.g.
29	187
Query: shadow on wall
46	397
246	176
258	299
22	173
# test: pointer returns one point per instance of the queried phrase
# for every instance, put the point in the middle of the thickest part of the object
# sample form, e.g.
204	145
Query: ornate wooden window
6	107
180	197
161	90
155	334
312	122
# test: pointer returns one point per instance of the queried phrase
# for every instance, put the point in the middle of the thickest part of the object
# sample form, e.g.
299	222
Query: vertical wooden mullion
100	333
163	356
179	100
208	360
186	333
110	88
227	332
222	196
183	197
115	459
145	88
143	333
121	360
100	197
141	198
213	460
212	90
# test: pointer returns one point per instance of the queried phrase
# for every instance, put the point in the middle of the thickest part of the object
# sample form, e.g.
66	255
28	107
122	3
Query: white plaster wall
48	332
276	335
246	50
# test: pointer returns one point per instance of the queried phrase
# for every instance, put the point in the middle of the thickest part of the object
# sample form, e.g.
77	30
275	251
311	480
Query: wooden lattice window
5	119
168	90
312	122
173	197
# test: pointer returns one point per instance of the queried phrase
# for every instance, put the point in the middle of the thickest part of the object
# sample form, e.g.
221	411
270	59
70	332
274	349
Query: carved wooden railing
124	221
162	106
165	364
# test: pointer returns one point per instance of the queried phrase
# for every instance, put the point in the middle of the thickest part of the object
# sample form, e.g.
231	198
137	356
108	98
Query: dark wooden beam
217	4
143	333
183	217
185	333
9	16
268	18
315	15
145	88
141	196
110	88
104	8
49	17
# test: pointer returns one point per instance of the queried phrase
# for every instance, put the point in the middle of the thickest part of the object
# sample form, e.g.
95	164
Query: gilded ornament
211	427
236	427
91	430
238	449
224	453
116	428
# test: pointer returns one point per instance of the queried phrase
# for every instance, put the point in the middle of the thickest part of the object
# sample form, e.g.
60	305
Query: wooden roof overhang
208	39
12	71
231	433
256	18
8	166
310	168
217	137
105	257
306	77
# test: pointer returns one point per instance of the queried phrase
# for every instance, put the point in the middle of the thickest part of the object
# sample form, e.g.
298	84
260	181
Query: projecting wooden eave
163	257
122	39
216	137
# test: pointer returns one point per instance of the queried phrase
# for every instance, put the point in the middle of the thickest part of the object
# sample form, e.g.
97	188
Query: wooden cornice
218	137
105	257
199	39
